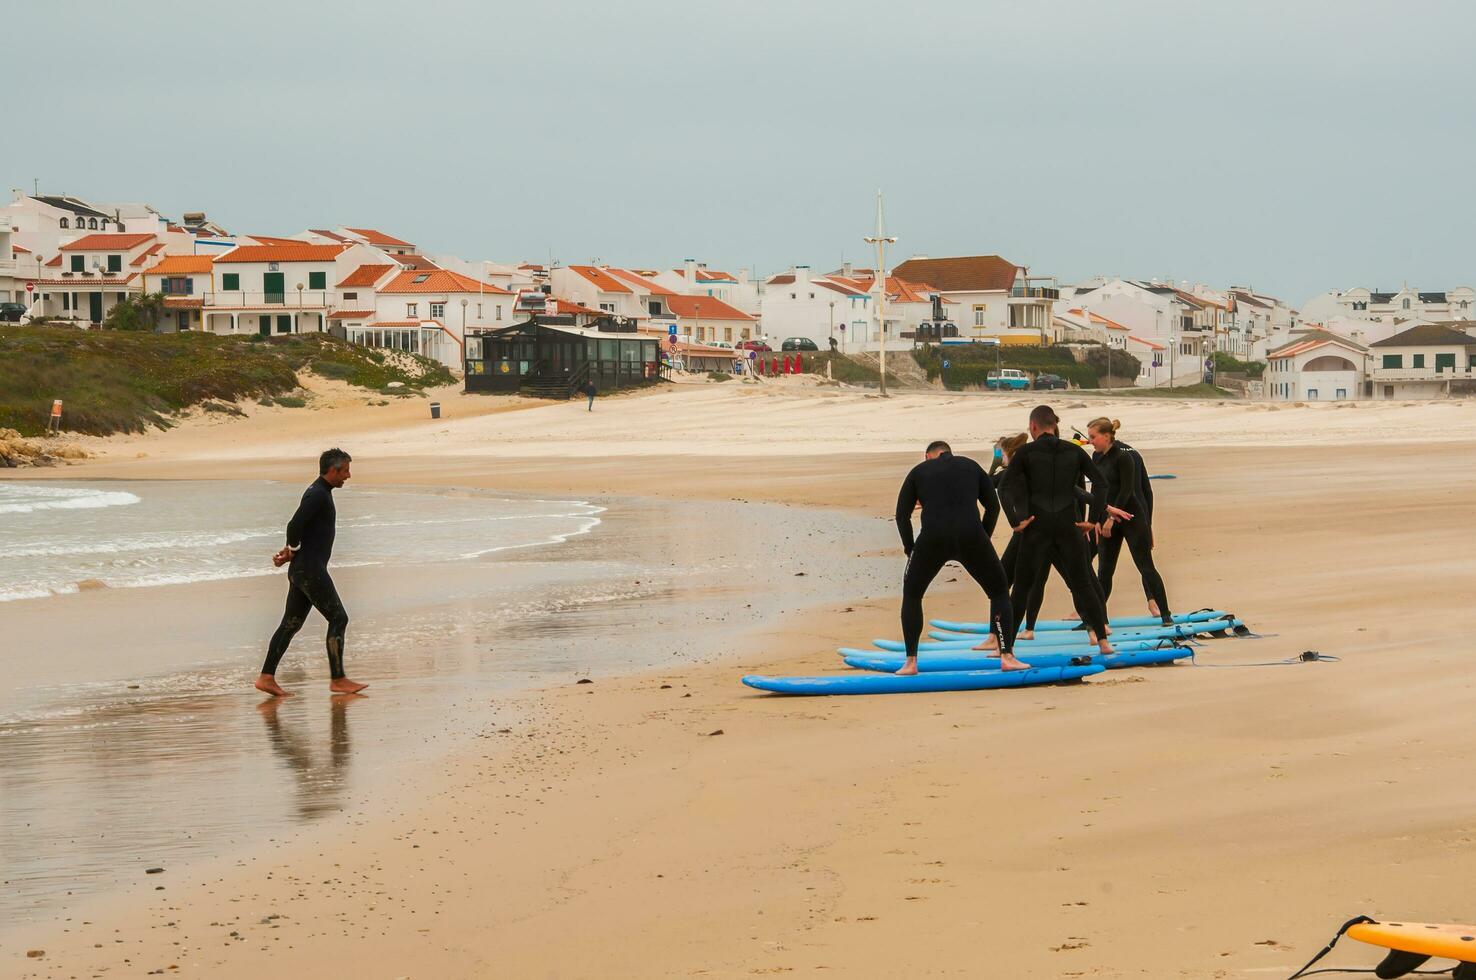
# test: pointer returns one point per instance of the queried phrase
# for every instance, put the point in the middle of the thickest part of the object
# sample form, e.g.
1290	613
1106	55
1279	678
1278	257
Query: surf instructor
951	489
309	546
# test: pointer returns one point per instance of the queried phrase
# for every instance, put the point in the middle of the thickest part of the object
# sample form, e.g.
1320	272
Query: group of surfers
1064	507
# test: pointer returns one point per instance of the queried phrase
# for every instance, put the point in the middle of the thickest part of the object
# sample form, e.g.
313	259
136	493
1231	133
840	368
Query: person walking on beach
1049	471
589	392
309	546
1127	488
950	489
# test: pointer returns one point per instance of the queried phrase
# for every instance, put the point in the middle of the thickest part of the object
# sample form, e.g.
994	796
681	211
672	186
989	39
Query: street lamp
697	321
881	241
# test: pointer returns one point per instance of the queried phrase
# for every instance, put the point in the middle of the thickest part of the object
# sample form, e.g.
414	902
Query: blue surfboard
1023	649
1074	638
1071	624
964	680
946	662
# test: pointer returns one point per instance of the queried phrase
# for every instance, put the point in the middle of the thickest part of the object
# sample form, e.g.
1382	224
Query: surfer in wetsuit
309	546
1127	488
950	489
1049	472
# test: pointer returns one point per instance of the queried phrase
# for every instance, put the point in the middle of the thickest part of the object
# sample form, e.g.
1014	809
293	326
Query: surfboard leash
1305	657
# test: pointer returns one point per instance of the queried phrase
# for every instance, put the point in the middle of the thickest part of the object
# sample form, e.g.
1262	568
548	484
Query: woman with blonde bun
1127	489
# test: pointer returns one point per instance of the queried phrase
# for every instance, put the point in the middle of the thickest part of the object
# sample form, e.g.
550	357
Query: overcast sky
1292	145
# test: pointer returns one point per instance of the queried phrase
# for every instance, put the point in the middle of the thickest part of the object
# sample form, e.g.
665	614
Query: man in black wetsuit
309	546
950	489
1047	472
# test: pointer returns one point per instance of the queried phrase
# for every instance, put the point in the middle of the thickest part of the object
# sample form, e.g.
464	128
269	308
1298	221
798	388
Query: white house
995	298
1361	303
696	279
592	286
798	304
89	276
280	289
707	319
186	282
1316	366
1422	362
429	311
388	244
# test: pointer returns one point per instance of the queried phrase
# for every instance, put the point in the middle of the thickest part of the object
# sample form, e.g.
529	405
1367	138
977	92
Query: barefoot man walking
309	546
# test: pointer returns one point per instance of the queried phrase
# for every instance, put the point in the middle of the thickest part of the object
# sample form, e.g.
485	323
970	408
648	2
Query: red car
757	345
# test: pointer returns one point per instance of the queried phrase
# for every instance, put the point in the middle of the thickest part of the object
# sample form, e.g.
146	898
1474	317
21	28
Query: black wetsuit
951	488
1127	487
1015	511
1046	479
311	532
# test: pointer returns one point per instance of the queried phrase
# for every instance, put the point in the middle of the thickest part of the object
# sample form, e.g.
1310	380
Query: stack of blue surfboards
1059	652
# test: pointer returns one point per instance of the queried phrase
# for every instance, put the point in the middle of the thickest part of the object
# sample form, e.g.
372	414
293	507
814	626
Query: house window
812	296
317	280
1393	361
66	298
178	286
438	311
979	315
412	309
230	281
63	224
422	277
499	311
92	224
1444	362
115	263
728	334
349	296
1419	360
79	264
608	307
794	295
1406	303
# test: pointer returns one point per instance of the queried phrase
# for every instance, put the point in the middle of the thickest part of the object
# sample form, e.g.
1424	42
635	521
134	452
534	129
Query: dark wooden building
550	356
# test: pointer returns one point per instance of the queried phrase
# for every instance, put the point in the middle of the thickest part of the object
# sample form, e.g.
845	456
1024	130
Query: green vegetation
719	376
136	313
842	368
126	381
222	408
1229	364
971	364
290	401
1187	391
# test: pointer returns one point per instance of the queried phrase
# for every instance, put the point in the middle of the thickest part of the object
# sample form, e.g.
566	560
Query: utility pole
881	241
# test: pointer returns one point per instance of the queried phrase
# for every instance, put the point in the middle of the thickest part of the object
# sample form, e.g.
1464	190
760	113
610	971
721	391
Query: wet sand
1185	821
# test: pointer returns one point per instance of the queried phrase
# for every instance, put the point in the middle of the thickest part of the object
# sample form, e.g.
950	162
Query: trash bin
435	410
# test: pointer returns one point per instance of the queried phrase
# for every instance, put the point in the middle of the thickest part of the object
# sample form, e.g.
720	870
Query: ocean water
58	538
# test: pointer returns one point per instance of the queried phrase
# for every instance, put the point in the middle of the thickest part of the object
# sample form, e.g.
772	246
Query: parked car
1050	382
1007	379
798	343
757	345
719	343
11	312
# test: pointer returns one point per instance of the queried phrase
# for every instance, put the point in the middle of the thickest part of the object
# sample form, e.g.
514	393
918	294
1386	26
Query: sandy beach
1187	821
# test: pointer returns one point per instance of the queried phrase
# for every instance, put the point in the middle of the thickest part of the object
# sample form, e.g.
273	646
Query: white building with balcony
89	276
1361	303
280	289
799	304
995	298
1316	366
429	311
186	282
1422	362
696	279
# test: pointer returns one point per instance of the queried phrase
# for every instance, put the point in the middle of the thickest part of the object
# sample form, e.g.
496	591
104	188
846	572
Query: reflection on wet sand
319	776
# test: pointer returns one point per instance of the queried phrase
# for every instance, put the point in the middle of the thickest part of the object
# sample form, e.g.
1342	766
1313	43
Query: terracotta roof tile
301	252
439	281
183	303
1428	335
376	237
274	240
412	261
181	265
350	314
20	250
568	308
704	307
106	243
606	282
708	275
148	253
365	275
965	273
645	284
54	263
328	234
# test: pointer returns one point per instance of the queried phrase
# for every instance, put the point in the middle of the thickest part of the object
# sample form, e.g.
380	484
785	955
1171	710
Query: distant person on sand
951	489
590	391
1045	474
309	546
1128	488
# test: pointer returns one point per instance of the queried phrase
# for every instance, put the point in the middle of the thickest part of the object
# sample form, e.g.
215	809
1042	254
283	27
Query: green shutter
79	264
230	281
317	280
115	263
1444	362
1419	361
1393	360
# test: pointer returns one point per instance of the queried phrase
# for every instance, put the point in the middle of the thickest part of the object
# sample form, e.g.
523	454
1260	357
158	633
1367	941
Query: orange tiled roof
964	273
106	243
708	275
365	275
606	282
183	303
148	253
350	314
328	234
1148	343
181	265
636	279
20	249
704	307
565	307
54	262
375	237
300	252
274	240
1098	318
439	281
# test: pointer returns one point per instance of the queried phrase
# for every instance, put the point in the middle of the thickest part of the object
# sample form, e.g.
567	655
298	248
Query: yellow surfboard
1452	942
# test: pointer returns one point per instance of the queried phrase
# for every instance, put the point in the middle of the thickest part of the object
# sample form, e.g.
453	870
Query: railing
314	298
1035	292
1423	374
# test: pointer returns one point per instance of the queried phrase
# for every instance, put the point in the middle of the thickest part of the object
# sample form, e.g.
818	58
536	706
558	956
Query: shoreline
1176	821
